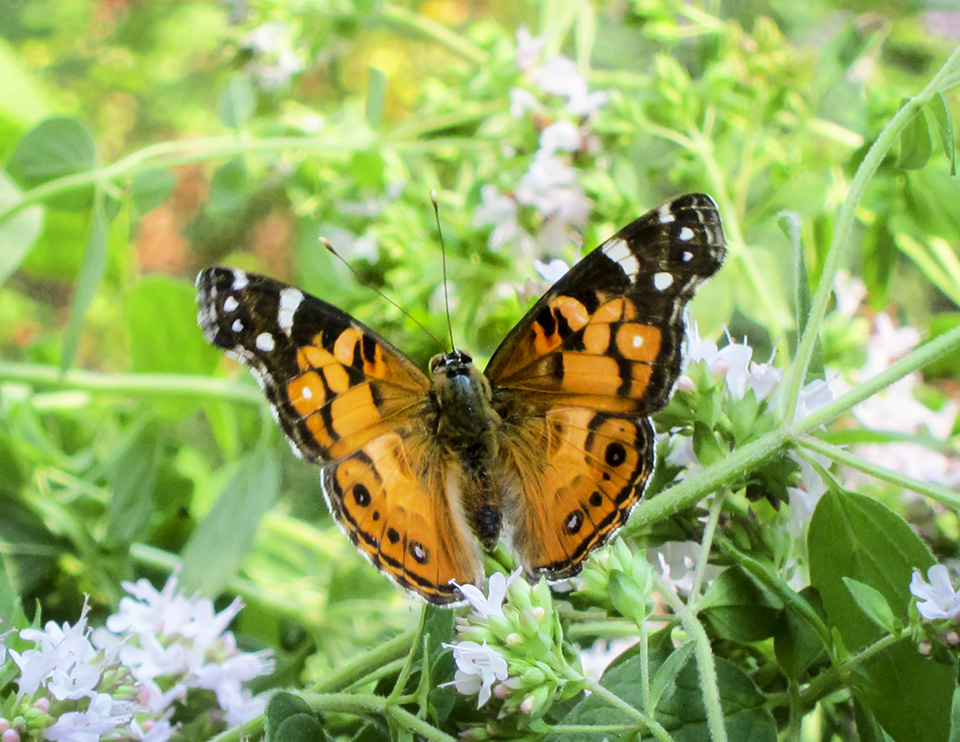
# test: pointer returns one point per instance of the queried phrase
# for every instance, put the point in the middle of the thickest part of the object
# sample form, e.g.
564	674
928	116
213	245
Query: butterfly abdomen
466	430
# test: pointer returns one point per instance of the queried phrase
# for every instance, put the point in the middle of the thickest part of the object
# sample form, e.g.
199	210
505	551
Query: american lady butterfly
552	442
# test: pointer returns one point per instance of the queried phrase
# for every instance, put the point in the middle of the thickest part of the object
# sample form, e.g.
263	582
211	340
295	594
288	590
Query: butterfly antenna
363	282
443	253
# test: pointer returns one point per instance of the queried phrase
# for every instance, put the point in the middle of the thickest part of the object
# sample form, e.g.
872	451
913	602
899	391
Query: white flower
939	599
63	661
528	49
501	212
763	378
560	76
805	496
478	668
552	271
850	292
550	186
731	363
490	604
812	397
561	136
91	725
159	730
521	101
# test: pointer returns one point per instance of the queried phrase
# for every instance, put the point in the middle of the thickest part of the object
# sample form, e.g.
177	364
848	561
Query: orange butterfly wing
577	378
354	404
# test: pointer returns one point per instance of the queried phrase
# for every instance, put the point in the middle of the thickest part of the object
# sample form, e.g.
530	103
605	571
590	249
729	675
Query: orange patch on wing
590	374
596	338
306	393
344	347
318	429
312	356
354	410
638	342
639	380
572	311
336	377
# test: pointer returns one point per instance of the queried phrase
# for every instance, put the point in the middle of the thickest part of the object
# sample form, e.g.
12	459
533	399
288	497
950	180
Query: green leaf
943	117
280	707
26	98
161	314
11	609
628	597
133	474
857	537
899	683
789	223
19	232
796	644
300	728
915	145
226	535
873	604
705	445
879	258
680	709
228	187
945	366
666	674
376	94
55	148
91	273
151	188
739	608
237	103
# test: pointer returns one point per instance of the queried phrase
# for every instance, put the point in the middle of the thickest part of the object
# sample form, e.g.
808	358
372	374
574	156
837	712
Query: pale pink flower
500	211
97	722
561	136
522	101
528	49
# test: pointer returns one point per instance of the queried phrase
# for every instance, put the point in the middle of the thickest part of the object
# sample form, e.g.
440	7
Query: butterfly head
455	363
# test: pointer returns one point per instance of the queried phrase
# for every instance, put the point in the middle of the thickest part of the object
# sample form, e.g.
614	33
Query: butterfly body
551	444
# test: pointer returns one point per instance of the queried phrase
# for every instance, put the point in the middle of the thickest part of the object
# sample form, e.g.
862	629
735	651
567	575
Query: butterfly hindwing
352	403
596	355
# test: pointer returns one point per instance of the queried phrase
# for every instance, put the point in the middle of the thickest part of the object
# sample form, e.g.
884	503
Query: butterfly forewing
351	402
576	378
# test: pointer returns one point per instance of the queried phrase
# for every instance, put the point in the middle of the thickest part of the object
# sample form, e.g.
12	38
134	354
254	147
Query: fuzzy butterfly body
550	444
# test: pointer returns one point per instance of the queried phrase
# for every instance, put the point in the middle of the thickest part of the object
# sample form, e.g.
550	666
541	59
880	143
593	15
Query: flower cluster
549	187
123	682
510	647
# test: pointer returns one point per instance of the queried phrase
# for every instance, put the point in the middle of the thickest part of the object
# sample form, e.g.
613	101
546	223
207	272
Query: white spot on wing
665	215
306	392
265	342
290	299
687	256
230	304
662	281
240	280
637	341
618	251
686	234
237	326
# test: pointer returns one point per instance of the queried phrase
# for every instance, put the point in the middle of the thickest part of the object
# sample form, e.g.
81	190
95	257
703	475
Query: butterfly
551	445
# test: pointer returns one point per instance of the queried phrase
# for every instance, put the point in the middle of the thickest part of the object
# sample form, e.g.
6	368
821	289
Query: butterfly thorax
466	429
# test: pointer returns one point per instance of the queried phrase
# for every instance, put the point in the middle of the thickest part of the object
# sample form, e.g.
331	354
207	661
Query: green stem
434	31
925	354
709	686
706	544
835	453
691	490
589	729
364	705
361	666
797	373
152	385
611	628
618	703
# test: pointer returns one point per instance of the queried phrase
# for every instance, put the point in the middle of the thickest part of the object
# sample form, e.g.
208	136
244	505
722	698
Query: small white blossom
561	136
521	101
478	668
596	659
938	598
92	725
552	271
501	212
550	186
490	604
63	662
528	49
